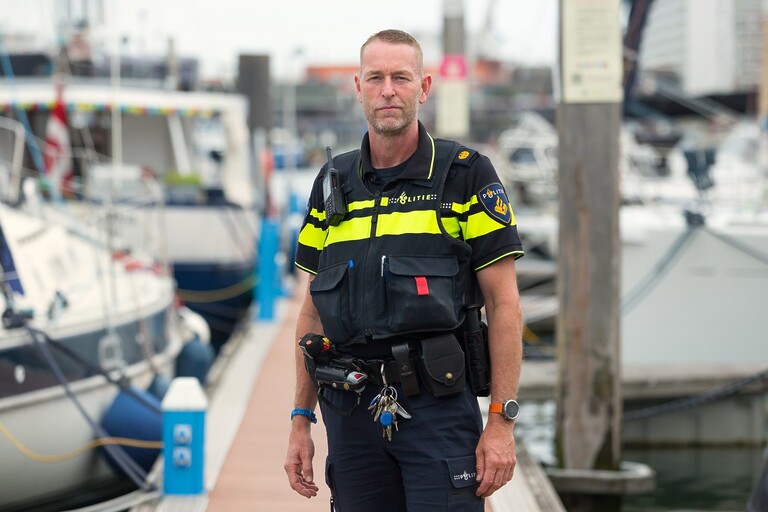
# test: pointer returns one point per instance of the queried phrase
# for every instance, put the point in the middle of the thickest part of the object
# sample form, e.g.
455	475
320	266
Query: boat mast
117	134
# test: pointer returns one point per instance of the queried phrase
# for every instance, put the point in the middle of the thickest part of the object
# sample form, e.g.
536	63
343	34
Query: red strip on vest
421	285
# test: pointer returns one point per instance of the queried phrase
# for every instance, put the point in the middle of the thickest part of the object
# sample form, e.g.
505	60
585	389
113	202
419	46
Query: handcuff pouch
442	365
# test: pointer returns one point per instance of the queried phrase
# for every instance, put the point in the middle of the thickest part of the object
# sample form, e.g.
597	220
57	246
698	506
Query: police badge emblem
495	202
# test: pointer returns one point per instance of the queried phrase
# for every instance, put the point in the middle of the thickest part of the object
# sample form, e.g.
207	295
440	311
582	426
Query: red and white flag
58	152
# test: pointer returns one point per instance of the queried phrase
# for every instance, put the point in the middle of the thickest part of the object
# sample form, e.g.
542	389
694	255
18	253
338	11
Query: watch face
511	409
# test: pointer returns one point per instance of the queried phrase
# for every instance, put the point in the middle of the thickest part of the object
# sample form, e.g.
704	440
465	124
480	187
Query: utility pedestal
184	408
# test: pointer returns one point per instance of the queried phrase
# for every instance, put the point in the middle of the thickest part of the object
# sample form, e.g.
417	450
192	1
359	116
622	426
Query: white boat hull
47	423
706	306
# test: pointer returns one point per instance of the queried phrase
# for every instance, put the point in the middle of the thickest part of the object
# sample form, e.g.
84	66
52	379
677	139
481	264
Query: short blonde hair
394	36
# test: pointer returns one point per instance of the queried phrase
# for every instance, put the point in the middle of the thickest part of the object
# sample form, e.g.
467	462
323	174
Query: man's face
390	86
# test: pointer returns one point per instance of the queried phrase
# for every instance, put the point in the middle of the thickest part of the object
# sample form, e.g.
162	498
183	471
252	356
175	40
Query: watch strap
501	408
304	412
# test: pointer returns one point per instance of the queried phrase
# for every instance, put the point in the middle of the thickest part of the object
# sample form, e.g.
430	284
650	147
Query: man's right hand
298	462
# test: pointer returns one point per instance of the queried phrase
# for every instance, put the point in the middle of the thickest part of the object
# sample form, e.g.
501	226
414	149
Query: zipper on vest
351	288
368	285
375	213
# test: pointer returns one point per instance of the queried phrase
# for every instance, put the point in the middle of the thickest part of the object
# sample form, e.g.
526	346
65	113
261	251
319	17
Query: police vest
390	268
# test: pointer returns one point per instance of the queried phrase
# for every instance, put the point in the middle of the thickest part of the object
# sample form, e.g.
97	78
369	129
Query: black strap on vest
472	294
346	163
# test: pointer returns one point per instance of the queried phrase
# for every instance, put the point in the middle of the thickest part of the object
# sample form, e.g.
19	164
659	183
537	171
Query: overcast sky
321	32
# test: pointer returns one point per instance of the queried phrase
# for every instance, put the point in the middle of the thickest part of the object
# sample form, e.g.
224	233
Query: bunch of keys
385	408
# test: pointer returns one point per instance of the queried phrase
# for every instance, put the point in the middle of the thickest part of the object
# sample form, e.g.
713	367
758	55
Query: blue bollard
184	409
267	289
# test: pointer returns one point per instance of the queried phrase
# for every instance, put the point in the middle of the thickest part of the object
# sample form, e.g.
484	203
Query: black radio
333	195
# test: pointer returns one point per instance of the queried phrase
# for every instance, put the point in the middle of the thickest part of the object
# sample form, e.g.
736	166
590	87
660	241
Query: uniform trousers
429	465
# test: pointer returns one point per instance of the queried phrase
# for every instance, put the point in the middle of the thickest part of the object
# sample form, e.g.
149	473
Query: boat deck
247	432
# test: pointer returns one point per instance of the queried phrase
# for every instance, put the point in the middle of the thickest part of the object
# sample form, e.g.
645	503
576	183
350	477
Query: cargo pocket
330	483
420	292
330	294
462	471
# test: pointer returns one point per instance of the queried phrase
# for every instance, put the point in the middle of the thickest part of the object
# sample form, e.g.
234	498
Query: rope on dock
697	400
131	468
740	246
228	292
642	289
695	223
61	457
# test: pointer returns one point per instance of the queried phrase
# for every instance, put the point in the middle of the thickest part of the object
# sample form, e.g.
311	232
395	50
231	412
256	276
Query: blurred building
326	100
703	48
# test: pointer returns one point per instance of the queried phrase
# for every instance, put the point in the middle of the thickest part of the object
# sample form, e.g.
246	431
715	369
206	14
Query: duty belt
373	368
399	369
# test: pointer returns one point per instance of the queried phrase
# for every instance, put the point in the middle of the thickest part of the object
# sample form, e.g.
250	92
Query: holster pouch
402	354
475	342
441	365
310	365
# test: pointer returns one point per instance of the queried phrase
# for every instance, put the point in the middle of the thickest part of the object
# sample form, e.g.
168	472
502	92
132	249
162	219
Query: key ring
387	389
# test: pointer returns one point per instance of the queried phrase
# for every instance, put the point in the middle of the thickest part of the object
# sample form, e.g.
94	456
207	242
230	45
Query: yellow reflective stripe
398	223
516	254
452	226
384	201
319	215
480	224
464	207
312	236
305	269
359	205
459	208
351	229
432	162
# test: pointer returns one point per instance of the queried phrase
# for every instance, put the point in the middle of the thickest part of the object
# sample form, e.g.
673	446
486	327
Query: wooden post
588	433
762	102
589	406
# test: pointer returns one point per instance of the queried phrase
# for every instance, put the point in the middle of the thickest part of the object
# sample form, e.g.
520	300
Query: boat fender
194	360
12	319
131	417
159	386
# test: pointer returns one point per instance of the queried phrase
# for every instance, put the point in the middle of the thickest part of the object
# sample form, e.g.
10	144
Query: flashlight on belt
327	367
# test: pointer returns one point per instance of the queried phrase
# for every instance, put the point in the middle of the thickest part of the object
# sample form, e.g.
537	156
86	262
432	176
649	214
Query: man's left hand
496	457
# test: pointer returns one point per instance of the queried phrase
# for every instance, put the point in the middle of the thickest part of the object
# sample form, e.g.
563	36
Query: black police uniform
399	267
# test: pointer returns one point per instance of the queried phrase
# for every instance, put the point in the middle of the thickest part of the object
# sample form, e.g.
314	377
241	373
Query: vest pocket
330	294
420	292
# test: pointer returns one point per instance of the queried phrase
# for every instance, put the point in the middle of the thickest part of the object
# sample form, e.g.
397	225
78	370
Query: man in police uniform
424	219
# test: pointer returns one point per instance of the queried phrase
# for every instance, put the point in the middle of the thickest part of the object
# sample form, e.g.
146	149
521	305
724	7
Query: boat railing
89	213
11	169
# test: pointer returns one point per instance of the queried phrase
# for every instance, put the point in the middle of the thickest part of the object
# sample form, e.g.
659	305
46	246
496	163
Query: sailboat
694	249
90	338
182	185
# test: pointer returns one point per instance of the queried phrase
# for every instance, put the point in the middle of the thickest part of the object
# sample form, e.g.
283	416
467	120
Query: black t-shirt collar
419	165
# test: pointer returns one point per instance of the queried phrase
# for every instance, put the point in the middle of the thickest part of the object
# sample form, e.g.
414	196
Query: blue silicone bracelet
304	412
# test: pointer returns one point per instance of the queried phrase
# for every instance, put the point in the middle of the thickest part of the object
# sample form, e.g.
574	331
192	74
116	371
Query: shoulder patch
465	156
493	197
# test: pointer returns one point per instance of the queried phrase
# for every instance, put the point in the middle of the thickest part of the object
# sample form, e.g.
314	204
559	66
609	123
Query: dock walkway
247	432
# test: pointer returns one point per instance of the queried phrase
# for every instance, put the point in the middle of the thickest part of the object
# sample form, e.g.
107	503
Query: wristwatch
509	409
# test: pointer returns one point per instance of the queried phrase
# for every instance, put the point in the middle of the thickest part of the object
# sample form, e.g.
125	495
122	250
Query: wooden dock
251	395
247	432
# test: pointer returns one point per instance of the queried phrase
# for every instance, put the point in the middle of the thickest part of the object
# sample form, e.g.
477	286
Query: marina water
687	478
